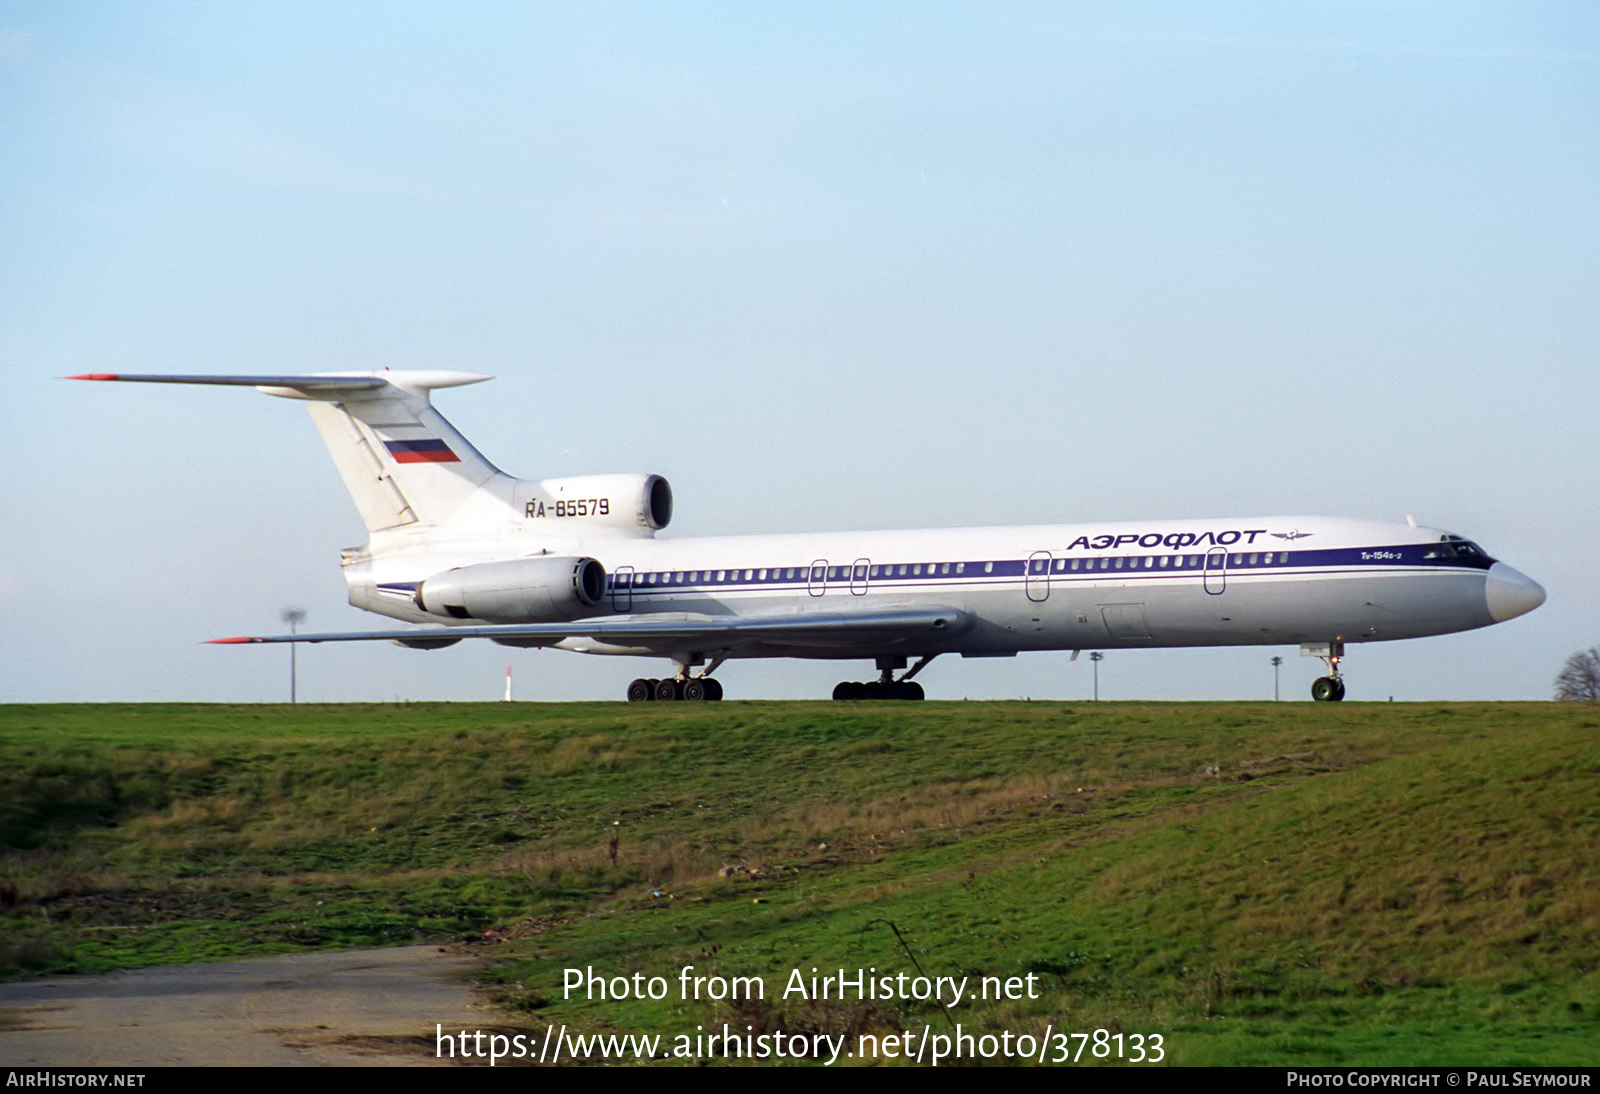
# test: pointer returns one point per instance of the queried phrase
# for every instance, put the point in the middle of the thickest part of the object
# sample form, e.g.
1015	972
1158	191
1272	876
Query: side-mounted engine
547	589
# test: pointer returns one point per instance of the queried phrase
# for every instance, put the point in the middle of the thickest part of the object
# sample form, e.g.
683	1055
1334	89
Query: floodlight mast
294	617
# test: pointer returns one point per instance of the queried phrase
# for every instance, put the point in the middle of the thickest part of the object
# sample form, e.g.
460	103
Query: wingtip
234	641
94	376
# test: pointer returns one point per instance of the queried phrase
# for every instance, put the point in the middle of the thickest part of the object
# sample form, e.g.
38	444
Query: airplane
467	551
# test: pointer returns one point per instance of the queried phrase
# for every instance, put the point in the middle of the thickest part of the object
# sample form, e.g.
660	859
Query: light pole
293	616
1096	657
1276	661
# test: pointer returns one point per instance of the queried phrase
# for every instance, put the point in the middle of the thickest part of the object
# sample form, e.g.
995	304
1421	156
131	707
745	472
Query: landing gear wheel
713	689
1327	689
668	690
876	690
694	691
641	691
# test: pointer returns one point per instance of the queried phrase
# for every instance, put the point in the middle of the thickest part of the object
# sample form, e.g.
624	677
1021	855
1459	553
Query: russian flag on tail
428	451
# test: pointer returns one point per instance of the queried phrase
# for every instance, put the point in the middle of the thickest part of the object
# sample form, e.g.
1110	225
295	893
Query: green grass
1259	883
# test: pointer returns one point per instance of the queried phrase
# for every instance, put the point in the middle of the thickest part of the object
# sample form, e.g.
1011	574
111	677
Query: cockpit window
1454	547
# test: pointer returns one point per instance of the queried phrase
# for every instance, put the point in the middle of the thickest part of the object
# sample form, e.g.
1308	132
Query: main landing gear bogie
696	689
876	689
886	686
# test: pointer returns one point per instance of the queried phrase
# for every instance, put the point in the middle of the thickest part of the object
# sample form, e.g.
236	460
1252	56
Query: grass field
1258	883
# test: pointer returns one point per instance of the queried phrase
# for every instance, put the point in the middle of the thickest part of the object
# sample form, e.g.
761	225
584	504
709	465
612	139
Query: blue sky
823	266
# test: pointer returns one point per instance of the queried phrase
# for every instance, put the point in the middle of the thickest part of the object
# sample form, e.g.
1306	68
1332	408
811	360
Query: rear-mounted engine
633	504
522	590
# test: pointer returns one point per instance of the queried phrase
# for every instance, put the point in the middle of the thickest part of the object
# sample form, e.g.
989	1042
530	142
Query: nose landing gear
1327	689
1330	688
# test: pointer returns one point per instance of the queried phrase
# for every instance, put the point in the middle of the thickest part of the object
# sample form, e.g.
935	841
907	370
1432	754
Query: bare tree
1579	680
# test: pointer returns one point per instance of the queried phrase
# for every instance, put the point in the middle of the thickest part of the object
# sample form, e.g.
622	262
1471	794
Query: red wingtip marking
229	641
94	376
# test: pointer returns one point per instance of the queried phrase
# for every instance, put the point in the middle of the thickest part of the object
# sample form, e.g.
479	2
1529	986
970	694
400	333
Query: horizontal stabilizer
361	382
316	385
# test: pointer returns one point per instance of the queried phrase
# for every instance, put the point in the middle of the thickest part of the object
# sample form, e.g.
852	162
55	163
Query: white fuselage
1260	581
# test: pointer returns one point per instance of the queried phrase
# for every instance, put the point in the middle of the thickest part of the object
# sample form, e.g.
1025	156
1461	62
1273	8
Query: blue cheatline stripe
1340	560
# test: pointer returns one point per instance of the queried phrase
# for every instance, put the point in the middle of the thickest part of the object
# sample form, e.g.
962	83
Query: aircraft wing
677	631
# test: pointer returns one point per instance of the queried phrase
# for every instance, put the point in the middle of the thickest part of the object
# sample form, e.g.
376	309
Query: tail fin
402	462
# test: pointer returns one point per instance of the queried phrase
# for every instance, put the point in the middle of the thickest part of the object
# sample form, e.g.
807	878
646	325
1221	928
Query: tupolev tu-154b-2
459	549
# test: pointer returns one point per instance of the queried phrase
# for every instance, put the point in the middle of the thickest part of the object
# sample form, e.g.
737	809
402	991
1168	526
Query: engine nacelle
547	589
631	503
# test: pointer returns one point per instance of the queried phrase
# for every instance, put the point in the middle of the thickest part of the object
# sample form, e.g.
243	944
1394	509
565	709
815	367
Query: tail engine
548	589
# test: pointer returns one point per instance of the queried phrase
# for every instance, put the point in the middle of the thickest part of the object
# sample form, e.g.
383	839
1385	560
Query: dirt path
374	1007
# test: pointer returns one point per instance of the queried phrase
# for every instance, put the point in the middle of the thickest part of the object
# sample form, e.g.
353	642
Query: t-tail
404	464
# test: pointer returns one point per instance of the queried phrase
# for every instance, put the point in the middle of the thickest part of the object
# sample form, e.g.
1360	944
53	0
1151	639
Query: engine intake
633	504
547	589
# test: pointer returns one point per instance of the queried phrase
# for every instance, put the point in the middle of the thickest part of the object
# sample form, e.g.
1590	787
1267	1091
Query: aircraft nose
1511	593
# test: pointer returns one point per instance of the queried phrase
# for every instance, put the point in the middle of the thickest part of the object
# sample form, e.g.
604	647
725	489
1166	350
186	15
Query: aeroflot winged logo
1179	540
426	451
1110	542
